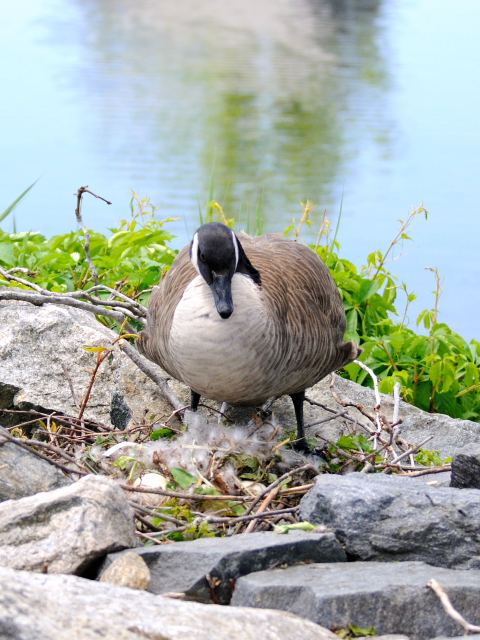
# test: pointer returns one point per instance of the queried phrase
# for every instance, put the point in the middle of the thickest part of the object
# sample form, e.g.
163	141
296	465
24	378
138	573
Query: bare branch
11	278
449	608
378	400
345	415
26	444
410	451
148	370
396	401
185	496
271	496
278	481
39	299
78	214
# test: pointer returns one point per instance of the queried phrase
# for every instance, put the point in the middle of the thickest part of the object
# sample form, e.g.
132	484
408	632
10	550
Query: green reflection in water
282	94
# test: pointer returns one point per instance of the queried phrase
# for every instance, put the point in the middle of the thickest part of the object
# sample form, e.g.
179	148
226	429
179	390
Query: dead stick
154	514
346	416
449	608
425	472
100	358
410	451
23	444
262	508
162	384
184	496
78	214
289	474
141	534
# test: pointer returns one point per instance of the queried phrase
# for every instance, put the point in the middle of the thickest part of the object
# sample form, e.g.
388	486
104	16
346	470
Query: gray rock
382	517
466	467
182	567
23	474
42	357
47	607
391	597
65	530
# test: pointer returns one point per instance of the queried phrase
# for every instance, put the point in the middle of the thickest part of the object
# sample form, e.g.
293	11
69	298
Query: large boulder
390	597
183	567
47	607
43	364
42	358
383	517
66	530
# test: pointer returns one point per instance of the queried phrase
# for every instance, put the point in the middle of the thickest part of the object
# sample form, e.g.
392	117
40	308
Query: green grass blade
211	190
9	209
212	179
338	221
200	216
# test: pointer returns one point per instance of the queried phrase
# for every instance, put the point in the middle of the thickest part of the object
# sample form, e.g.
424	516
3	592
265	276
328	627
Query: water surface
289	99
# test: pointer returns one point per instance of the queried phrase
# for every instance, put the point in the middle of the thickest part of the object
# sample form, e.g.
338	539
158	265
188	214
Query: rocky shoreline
73	565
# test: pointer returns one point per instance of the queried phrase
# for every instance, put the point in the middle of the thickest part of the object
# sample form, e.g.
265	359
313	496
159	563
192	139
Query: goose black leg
301	443
194	400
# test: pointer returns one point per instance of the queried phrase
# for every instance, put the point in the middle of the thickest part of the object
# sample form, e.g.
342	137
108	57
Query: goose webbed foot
194	400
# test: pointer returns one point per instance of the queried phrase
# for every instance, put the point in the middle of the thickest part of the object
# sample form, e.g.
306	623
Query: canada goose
242	320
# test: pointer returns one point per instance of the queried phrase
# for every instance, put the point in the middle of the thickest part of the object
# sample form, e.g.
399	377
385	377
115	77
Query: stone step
392	597
183	567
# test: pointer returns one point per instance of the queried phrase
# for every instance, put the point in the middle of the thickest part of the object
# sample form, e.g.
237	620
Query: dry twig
78	214
449	608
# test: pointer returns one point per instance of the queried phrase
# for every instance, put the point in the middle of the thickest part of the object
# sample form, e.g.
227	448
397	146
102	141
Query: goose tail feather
347	352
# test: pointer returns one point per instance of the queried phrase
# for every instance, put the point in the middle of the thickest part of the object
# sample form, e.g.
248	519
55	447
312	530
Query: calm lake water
377	100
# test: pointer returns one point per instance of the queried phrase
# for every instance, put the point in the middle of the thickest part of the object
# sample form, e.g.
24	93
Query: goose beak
222	294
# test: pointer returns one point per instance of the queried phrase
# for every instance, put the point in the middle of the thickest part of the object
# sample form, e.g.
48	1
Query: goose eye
202	257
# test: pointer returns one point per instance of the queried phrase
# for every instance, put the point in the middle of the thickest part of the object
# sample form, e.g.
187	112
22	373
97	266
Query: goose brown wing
163	302
307	304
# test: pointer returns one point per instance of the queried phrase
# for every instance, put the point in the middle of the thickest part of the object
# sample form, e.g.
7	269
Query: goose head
217	255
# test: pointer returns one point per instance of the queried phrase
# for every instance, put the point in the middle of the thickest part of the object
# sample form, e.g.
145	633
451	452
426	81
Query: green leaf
429	458
361	632
162	433
448	375
122	461
367	289
436	372
6	253
183	478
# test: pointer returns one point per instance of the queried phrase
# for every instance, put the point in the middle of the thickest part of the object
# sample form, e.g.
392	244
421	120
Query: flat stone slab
183	567
55	607
383	517
66	530
22	473
391	597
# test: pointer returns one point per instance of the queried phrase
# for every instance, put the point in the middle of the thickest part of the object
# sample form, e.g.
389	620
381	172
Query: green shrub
439	371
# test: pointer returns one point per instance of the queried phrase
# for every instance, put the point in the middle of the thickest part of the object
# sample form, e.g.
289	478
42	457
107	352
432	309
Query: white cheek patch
194	255
235	244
